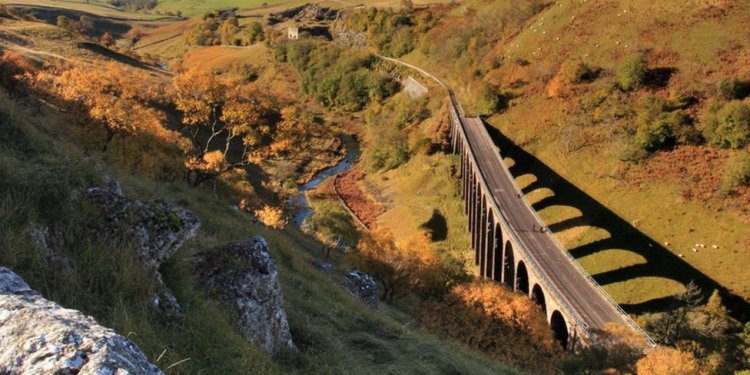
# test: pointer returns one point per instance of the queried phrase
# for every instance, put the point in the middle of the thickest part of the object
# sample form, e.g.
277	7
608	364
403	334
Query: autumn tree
65	23
272	217
617	349
490	318
112	96
86	25
15	69
107	40
398	267
224	119
293	132
705	332
667	361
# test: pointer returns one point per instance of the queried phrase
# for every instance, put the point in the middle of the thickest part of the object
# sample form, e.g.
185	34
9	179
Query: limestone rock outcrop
38	336
157	228
245	276
153	229
364	287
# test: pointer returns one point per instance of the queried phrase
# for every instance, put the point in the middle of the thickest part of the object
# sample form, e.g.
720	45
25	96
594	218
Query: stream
299	200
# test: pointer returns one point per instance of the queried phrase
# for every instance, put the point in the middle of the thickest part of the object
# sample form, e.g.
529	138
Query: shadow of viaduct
660	262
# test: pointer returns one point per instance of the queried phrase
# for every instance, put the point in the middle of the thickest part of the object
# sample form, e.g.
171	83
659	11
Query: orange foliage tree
271	217
616	351
293	131
399	267
112	96
225	121
490	318
14	71
667	361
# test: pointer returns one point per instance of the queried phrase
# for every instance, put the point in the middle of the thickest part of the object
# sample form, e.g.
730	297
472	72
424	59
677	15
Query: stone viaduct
513	246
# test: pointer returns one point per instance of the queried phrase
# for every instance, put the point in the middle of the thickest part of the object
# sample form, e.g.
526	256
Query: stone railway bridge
513	246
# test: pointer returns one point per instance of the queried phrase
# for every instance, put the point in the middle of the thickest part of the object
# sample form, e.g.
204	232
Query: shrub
683	129
500	323
14	71
489	100
727	126
255	32
667	361
734	88
575	72
633	153
388	151
736	173
652	136
631	75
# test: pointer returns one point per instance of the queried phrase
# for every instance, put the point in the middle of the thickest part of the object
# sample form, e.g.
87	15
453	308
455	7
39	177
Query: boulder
156	228
38	336
364	287
244	276
325	267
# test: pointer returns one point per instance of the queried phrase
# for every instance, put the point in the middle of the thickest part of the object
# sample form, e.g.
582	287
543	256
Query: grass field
192	8
100	8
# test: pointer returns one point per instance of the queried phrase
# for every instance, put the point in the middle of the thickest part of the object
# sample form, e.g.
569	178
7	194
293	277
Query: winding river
300	202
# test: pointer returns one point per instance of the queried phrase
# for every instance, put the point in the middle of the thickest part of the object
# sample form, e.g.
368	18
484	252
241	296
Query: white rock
38	336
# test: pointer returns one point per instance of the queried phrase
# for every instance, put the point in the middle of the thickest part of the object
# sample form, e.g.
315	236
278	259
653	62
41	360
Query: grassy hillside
334	332
633	225
43	163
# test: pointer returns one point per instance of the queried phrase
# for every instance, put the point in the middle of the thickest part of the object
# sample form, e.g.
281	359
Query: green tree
255	32
734	88
727	125
489	99
736	173
652	136
631	75
575	71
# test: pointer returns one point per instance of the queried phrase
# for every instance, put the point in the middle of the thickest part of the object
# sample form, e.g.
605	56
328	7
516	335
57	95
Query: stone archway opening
537	295
509	266
522	278
497	269
489	247
559	329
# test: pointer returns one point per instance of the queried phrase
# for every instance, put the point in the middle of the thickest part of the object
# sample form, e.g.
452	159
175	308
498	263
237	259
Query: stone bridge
513	246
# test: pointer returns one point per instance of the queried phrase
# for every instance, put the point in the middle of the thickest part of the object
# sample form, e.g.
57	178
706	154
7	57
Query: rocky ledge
38	336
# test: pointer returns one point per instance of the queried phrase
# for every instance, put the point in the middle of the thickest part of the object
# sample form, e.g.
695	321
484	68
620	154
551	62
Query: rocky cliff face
40	337
244	275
